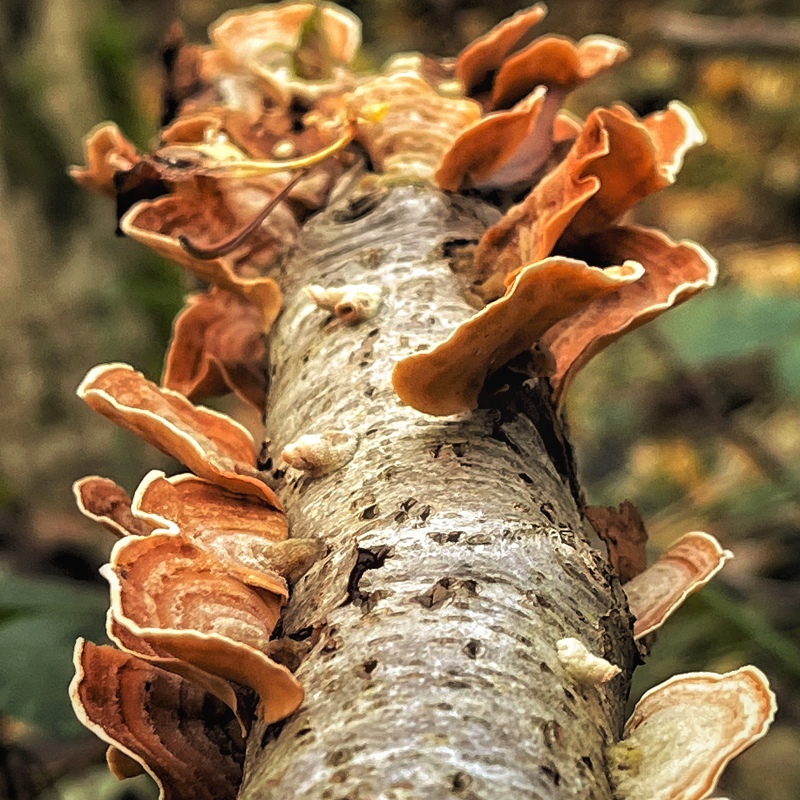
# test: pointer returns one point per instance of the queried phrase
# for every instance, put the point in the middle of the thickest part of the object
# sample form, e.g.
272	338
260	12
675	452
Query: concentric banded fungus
615	162
683	733
417	129
673	272
107	152
199	211
269	42
183	601
217	346
687	565
243	532
449	378
185	740
209	443
483	57
103	501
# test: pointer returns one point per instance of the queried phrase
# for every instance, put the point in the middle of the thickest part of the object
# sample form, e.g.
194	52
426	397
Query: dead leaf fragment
625	536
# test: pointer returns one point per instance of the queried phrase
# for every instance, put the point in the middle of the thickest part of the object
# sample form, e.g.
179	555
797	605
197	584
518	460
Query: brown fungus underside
283	176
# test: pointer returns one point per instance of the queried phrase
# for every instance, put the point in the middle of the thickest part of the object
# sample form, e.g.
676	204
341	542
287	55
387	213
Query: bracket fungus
684	567
107	152
180	600
211	444
583	665
104	502
217	346
449	378
350	304
320	454
186	741
683	733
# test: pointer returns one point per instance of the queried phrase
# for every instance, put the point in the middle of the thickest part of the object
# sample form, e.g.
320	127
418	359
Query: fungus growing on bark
583	665
181	736
103	501
211	444
107	152
241	531
684	732
180	600
449	378
482	58
218	346
297	49
684	567
350	304
623	531
615	162
320	454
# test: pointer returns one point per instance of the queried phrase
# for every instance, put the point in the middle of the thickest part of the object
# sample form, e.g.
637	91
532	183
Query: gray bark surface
456	556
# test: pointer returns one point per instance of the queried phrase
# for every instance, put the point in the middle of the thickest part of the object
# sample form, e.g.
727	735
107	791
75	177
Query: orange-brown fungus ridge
258	128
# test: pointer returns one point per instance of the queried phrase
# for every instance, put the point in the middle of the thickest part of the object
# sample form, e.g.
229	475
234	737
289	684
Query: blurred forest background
695	418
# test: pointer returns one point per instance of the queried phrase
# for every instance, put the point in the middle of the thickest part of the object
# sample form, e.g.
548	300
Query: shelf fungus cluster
258	127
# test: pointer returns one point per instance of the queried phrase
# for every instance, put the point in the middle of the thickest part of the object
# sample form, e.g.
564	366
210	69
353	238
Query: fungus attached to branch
217	346
103	501
449	378
107	152
182	737
211	444
684	732
582	665
687	565
180	600
350	304
320	454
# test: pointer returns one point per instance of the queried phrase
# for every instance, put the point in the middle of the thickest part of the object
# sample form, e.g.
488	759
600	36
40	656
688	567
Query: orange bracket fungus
449	378
103	501
107	152
217	346
683	733
211	444
180	600
683	568
158	722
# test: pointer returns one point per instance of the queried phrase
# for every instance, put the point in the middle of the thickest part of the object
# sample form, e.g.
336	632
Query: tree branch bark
456	555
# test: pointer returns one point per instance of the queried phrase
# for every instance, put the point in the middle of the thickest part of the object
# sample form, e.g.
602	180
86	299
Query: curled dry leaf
673	272
625	536
179	599
107	152
419	126
684	732
103	501
449	378
211	444
218	346
482	58
615	162
296	49
555	61
320	454
186	741
582	665
350	304
683	568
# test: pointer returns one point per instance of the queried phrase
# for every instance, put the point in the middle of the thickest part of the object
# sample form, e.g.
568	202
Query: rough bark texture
456	552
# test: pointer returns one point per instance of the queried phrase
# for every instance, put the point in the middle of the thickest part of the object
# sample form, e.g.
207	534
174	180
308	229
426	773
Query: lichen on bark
455	552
